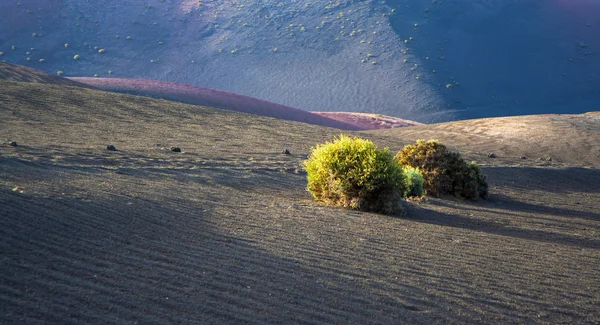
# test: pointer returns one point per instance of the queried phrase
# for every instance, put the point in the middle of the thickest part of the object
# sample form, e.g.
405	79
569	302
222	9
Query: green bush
352	172
472	183
444	171
414	181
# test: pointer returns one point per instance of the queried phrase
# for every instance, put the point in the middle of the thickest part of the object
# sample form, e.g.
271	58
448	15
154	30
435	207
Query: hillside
21	73
423	60
224	231
550	139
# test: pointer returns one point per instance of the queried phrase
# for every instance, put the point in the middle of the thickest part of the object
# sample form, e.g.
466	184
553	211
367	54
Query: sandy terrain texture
224	232
572	139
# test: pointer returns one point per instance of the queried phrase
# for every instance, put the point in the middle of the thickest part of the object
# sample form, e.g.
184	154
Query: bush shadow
422	214
554	180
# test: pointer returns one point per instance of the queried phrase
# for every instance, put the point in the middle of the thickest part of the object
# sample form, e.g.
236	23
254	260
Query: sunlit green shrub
444	171
354	173
414	181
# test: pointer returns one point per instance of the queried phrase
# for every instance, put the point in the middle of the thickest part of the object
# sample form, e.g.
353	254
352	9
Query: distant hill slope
212	98
369	121
20	73
224	232
423	60
567	139
206	97
226	100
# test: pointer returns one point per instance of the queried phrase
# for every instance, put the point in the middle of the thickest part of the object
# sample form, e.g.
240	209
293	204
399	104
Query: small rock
13	144
549	159
491	155
111	148
523	157
286	152
175	149
542	159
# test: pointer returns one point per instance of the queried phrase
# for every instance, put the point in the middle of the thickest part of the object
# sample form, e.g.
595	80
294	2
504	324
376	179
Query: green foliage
444	172
472	183
435	163
353	172
414	181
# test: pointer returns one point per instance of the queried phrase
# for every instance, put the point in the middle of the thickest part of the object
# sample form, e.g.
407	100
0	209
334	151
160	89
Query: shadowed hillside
225	232
221	99
421	60
24	74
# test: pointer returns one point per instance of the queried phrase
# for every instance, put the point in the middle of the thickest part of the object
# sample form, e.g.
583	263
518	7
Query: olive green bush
472	182
414	181
444	171
354	173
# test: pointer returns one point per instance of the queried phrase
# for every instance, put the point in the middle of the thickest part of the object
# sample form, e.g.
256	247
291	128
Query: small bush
352	172
444	172
414	181
472	183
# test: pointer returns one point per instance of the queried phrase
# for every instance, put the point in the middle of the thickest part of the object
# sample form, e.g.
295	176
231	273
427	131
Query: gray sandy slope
225	233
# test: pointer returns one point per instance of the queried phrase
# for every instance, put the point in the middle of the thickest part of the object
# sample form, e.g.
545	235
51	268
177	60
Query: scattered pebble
491	155
175	149
111	148
286	152
523	157
13	144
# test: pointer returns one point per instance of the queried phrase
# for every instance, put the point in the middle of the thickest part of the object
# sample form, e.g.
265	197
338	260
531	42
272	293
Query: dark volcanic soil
224	232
